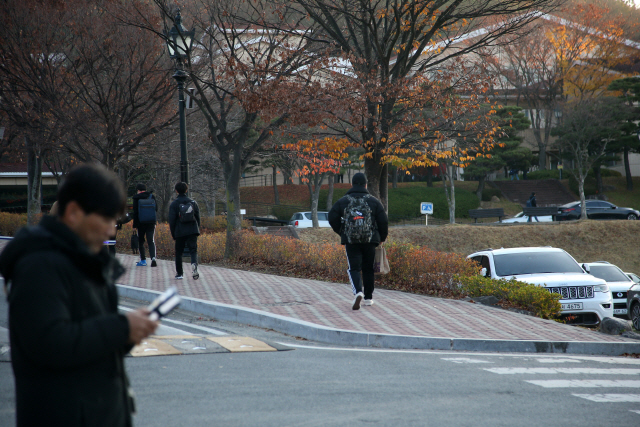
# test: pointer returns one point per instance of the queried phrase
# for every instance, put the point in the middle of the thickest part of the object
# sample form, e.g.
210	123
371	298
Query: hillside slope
613	241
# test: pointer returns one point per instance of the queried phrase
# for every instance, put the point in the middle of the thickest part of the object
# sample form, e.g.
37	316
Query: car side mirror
586	268
483	272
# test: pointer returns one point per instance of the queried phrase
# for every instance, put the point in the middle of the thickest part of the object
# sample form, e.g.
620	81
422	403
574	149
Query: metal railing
256	181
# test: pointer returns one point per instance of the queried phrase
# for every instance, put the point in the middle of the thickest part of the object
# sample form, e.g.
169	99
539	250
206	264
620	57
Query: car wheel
635	316
632	216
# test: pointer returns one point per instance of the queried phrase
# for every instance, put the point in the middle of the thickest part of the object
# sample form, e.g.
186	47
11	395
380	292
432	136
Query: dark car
633	305
596	209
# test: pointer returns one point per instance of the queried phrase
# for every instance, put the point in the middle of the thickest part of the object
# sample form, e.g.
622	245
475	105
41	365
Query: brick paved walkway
329	304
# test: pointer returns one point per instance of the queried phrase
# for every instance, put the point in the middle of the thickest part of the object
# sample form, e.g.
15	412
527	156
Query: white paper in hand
164	304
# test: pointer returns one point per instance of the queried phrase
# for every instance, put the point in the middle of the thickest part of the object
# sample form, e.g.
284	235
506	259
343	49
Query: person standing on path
532	203
68	340
145	223
362	224
184	222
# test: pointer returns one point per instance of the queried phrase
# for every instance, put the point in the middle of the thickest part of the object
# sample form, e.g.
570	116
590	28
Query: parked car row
596	209
589	292
303	219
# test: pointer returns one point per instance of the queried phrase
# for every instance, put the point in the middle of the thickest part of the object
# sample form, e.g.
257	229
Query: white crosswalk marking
558	360
611	398
464	360
585	383
633	410
572	371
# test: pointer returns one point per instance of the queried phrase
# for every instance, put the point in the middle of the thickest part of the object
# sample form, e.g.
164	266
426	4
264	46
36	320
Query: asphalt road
317	385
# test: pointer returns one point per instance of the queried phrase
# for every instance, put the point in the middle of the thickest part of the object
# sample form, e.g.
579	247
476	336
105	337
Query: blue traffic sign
426	208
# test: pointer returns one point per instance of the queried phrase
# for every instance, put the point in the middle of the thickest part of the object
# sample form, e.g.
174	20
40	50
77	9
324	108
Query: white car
303	219
584	296
521	217
618	282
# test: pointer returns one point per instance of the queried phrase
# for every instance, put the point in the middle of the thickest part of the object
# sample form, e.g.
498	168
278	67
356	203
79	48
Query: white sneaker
368	302
194	271
357	300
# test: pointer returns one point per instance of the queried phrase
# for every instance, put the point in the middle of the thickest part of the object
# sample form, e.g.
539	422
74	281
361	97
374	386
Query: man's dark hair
141	187
359	179
181	187
95	188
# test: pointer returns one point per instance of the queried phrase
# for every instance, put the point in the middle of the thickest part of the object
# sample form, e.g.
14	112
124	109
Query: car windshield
608	273
534	263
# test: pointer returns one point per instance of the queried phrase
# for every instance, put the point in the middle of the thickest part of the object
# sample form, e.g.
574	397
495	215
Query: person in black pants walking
146	229
532	203
360	256
184	222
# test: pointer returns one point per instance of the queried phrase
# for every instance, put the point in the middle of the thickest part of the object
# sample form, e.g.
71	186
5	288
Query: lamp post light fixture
179	43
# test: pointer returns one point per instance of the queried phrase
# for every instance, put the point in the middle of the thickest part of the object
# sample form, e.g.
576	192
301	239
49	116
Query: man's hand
140	326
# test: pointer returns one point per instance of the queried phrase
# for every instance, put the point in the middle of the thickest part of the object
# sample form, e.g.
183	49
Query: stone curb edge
314	332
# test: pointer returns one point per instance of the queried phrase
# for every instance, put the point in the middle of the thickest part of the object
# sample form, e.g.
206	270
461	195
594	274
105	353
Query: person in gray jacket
184	222
360	256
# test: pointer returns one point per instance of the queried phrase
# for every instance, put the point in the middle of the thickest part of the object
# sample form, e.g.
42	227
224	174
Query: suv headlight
601	288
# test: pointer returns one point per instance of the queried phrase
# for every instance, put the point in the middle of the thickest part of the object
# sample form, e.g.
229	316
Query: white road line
464	360
559	360
585	383
617	398
189	325
573	371
633	410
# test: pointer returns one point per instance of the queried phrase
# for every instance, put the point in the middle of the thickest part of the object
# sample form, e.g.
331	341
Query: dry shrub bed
416	269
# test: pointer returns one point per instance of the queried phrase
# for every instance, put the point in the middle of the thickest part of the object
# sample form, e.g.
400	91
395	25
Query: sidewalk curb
314	332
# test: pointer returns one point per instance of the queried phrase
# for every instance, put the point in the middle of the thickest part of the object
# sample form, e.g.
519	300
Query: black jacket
67	339
377	212
181	229
136	197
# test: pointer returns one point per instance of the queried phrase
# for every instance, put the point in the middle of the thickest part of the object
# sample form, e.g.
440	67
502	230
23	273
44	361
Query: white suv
618	282
585	297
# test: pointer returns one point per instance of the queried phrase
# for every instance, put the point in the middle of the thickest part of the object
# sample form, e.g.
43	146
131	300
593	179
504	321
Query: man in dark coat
532	203
185	228
360	256
67	339
146	230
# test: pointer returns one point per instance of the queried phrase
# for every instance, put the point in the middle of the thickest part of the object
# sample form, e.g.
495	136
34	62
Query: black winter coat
181	229
136	197
377	212
67	339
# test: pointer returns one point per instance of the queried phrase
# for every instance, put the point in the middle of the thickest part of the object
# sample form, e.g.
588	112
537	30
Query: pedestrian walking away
532	203
361	222
144	220
67	338
184	223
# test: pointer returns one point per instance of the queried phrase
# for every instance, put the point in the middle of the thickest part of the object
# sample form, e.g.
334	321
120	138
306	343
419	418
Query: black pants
360	258
147	231
192	243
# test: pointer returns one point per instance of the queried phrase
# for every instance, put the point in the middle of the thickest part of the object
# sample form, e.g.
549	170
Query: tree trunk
330	178
373	171
583	203
598	175
233	173
429	177
384	187
480	189
627	170
450	193
275	186
395	177
314	185
34	181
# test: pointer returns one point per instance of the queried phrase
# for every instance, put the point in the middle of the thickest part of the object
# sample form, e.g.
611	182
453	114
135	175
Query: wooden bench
287	231
486	213
541	211
268	220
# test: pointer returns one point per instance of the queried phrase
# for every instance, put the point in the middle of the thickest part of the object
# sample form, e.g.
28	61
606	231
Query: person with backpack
532	203
144	221
184	222
362	224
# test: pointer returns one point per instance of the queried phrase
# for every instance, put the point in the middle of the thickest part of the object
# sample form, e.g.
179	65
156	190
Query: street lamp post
179	42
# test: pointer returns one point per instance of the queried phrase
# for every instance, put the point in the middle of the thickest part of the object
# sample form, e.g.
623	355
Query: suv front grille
573	292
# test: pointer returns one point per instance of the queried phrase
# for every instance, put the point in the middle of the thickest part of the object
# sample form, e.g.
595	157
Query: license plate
573	306
619	311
